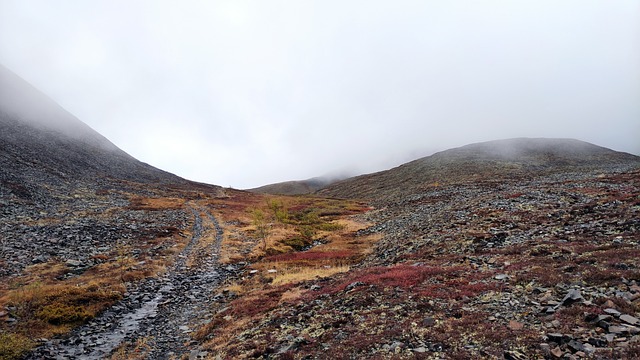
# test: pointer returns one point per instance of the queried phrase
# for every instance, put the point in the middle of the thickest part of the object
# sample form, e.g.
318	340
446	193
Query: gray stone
617	329
572	296
555	337
589	349
514	355
629	319
576	345
501	277
193	355
632	330
354	285
613	312
73	263
546	349
428	321
597	342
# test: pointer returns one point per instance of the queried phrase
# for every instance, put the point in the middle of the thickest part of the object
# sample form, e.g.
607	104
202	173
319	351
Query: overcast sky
245	93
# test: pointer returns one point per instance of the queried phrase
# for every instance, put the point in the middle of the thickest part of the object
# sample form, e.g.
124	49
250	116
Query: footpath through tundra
157	316
524	268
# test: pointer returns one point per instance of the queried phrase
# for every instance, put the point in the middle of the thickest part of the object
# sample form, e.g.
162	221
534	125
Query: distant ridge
483	161
300	187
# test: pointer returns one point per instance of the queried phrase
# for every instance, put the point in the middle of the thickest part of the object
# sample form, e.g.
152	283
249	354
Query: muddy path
159	312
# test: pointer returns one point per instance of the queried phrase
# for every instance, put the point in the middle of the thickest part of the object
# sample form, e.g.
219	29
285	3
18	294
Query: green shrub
279	210
328	226
262	227
310	218
307	232
58	314
298	243
14	346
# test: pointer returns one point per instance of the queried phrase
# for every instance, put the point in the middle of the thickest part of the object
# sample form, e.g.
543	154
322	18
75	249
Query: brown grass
306	218
46	309
136	351
45	306
304	273
146	203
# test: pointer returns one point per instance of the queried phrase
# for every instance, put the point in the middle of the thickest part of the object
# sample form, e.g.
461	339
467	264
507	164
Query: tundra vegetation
543	266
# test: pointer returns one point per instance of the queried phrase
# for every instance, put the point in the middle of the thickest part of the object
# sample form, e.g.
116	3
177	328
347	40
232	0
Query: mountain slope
511	158
526	249
43	148
85	226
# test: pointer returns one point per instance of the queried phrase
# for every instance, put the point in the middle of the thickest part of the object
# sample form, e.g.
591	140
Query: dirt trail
161	312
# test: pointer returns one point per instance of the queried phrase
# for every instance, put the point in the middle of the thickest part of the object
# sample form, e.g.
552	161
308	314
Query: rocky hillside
543	266
84	226
513	158
44	149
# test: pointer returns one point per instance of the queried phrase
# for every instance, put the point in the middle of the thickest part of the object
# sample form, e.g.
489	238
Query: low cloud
247	93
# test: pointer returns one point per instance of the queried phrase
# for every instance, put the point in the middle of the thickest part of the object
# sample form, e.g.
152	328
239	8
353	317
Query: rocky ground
142	260
161	312
532	267
546	267
80	242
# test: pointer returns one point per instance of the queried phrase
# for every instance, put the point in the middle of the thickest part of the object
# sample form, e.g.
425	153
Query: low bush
59	314
14	346
297	242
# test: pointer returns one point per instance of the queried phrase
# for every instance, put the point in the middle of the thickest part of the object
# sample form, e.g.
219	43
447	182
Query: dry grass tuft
300	274
136	351
146	203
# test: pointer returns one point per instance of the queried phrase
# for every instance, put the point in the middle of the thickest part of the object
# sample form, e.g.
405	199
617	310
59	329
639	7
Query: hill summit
499	159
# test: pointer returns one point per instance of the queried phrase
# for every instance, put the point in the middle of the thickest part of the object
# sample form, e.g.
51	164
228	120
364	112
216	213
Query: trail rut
161	312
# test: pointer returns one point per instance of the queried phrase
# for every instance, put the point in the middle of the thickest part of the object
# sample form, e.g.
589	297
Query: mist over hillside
21	102
492	160
46	151
518	248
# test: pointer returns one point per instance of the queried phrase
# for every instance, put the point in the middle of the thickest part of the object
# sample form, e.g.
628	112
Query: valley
514	249
546	267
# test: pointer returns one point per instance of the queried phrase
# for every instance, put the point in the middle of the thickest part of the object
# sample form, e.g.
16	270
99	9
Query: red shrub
263	302
403	276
